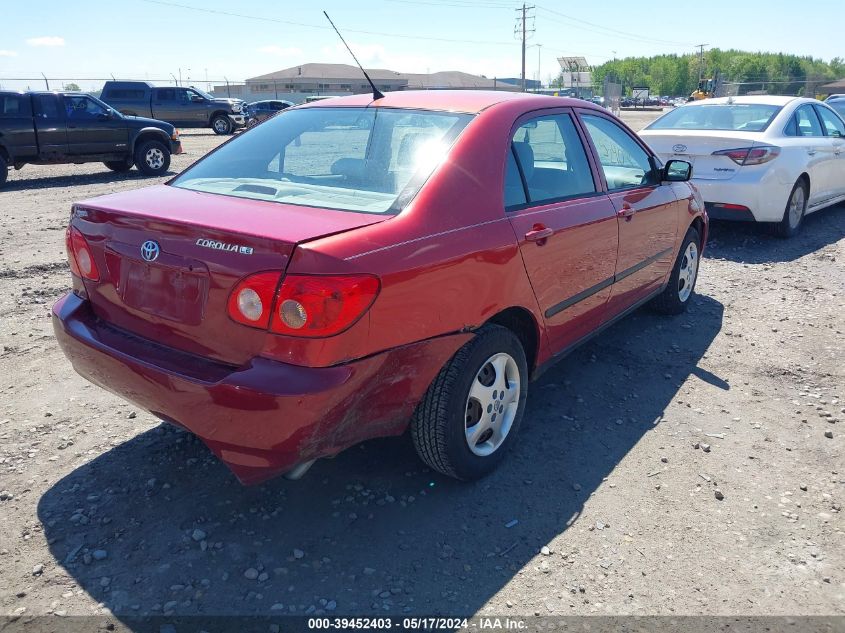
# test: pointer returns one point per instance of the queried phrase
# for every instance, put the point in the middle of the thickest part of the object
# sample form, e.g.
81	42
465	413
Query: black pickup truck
183	107
71	127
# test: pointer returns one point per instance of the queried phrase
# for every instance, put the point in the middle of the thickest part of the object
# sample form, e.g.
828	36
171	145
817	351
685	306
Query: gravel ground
688	465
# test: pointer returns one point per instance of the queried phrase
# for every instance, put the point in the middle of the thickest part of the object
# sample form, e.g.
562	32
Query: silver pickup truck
182	107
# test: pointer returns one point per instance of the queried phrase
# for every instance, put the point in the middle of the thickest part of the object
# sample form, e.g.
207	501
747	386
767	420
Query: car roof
777	100
468	101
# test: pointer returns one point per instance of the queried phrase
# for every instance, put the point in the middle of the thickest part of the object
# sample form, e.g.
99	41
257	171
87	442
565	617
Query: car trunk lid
697	147
168	259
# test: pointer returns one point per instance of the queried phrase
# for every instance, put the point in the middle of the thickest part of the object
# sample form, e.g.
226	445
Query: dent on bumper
263	418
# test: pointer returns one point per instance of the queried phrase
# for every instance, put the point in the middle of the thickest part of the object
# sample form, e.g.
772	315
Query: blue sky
154	38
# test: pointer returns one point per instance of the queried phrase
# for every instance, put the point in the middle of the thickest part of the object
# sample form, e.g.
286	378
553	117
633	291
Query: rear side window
514	191
13	106
806	122
833	125
624	162
552	159
166	94
46	106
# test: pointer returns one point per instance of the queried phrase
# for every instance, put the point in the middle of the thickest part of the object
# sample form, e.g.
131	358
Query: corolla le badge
150	250
679	149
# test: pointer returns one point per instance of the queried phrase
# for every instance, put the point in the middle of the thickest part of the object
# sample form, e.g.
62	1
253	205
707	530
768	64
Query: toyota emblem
678	149
150	250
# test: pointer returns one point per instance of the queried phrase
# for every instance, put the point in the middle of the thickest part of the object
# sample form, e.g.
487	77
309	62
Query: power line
319	26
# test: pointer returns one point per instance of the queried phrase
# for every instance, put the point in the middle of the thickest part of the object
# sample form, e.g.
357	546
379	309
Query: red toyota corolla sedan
351	268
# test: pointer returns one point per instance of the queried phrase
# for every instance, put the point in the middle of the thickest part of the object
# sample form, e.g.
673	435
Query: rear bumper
762	195
266	417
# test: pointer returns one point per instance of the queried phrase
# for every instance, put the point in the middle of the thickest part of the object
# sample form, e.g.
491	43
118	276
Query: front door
648	211
565	226
834	129
91	129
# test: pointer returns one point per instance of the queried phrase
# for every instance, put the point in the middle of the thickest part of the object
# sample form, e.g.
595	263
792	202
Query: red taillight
79	255
750	155
251	302
318	306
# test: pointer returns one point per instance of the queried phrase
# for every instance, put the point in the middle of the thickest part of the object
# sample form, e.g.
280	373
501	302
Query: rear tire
222	125
119	165
152	158
793	215
676	296
4	171
471	413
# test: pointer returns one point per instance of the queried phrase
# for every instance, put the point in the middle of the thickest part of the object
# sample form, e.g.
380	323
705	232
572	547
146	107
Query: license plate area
172	287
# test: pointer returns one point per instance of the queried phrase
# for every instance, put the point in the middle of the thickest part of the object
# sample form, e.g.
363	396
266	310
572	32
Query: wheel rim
688	272
796	207
154	158
492	404
220	125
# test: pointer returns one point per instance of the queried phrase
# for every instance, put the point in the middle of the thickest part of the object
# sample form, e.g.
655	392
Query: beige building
299	82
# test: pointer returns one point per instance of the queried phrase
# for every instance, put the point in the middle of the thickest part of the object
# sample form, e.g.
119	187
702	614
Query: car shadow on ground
750	243
371	531
51	182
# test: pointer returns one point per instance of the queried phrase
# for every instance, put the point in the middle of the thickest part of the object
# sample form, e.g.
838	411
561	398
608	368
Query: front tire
152	158
222	125
471	413
676	296
119	165
793	215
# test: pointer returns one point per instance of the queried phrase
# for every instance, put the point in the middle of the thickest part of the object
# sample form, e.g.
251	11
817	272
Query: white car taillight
750	155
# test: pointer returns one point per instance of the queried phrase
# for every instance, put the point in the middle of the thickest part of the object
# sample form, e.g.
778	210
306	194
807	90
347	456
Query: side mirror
103	116
677	171
197	99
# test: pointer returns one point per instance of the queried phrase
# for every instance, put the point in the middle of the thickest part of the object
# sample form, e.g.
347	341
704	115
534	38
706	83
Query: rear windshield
372	160
750	117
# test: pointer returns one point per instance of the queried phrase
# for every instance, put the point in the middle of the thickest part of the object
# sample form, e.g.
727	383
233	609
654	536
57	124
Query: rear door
834	129
648	211
50	126
564	223
17	131
817	151
165	106
91	129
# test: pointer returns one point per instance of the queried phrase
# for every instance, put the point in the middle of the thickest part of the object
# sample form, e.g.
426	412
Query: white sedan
761	158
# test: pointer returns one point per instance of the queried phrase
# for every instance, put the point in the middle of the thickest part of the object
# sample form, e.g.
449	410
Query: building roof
329	71
834	86
347	73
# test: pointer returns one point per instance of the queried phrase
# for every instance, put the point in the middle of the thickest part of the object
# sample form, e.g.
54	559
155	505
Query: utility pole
521	31
539	81
700	62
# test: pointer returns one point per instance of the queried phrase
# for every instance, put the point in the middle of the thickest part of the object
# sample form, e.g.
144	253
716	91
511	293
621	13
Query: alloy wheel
154	158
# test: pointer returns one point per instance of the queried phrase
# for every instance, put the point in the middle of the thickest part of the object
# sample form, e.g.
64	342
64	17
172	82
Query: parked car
759	158
837	102
182	107
259	111
71	127
353	268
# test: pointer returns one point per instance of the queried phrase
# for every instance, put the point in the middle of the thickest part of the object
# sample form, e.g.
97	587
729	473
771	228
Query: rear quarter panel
447	263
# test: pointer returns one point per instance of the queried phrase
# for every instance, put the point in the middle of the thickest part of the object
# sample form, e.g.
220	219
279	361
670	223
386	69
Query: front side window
624	162
553	163
82	108
833	125
371	160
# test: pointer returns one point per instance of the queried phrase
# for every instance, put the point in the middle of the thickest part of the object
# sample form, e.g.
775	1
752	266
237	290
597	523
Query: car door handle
627	212
811	152
538	232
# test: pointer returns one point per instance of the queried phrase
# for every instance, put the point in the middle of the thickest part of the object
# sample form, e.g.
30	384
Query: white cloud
279	51
47	40
8	53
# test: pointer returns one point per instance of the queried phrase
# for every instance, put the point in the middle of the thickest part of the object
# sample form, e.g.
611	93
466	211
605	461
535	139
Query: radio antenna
376	92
